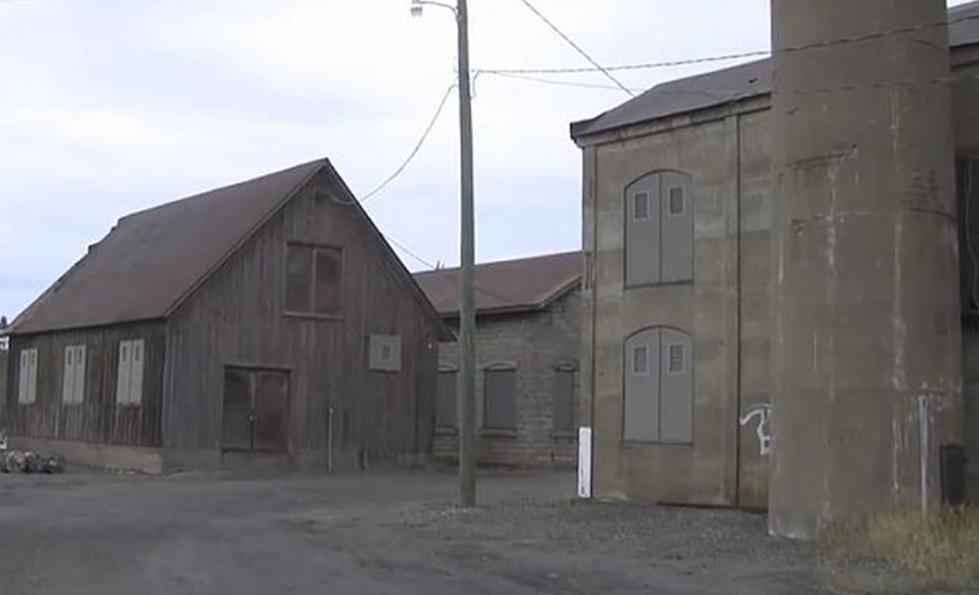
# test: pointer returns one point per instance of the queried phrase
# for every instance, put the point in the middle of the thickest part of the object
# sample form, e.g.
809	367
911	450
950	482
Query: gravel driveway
390	533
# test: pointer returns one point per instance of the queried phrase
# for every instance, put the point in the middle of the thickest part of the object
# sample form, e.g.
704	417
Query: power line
414	152
577	47
433	267
734	56
558	82
640	66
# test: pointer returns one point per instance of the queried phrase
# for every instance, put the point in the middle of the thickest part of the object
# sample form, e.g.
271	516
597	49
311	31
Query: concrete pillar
866	337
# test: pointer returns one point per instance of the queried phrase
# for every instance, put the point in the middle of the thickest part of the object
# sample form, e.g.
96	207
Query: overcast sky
110	106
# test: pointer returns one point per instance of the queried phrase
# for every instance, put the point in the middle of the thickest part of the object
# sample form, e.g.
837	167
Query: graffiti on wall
762	413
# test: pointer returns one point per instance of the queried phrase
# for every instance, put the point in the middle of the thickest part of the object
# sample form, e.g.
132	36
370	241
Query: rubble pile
17	461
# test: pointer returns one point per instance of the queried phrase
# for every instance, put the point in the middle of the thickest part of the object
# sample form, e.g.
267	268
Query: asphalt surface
89	533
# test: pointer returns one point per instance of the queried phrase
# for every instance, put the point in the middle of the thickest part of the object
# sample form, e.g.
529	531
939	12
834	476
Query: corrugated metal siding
98	418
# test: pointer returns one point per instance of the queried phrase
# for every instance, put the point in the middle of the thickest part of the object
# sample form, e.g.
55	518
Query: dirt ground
186	534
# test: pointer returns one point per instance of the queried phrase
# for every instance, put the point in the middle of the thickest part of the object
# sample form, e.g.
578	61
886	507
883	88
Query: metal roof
731	84
521	285
152	260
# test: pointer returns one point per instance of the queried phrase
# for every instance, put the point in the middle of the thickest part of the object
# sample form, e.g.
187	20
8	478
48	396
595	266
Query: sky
111	106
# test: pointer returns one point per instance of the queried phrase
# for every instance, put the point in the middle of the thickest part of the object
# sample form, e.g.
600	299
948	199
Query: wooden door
255	410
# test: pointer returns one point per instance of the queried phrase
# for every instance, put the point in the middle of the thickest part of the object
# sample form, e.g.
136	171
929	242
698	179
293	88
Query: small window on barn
564	402
27	377
312	284
384	353
73	377
129	378
500	399
445	405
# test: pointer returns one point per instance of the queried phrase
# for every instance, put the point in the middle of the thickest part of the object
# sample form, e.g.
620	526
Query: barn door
255	410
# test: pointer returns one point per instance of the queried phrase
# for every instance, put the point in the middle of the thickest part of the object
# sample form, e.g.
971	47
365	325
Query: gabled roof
521	285
153	259
731	84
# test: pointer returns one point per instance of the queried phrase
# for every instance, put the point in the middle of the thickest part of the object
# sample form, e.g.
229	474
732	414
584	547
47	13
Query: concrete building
264	321
687	256
527	342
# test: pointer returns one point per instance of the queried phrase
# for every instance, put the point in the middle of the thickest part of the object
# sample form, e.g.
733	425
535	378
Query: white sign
584	462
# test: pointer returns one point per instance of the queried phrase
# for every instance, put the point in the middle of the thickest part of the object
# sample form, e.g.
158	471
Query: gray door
642	372
643	211
677	227
676	386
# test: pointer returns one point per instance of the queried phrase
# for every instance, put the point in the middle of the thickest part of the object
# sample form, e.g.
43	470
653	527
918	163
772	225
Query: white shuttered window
73	378
129	385
27	387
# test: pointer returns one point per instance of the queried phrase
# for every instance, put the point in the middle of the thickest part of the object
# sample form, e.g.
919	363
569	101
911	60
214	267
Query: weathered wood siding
98	418
236	319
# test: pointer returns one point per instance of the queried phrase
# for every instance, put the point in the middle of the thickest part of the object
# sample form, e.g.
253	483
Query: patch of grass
907	548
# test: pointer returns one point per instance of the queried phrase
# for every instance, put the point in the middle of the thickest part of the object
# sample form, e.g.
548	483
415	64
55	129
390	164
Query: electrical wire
414	152
433	267
733	56
559	82
576	47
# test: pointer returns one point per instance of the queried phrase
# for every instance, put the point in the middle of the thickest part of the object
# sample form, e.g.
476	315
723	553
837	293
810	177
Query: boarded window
659	244
384	353
27	377
564	401
658	400
73	377
445	405
500	399
255	411
299	290
327	281
129	378
312	279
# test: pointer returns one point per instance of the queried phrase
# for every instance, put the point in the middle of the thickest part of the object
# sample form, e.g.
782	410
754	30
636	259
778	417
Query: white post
584	462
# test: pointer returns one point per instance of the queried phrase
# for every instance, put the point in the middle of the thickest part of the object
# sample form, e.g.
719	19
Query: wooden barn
265	321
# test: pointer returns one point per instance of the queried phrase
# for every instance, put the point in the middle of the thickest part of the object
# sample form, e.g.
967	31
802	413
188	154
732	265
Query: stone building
681	278
527	342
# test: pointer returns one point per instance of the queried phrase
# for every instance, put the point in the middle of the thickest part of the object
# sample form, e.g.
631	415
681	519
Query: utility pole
467	260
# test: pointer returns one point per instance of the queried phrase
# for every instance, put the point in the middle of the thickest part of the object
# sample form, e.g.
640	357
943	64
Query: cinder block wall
536	344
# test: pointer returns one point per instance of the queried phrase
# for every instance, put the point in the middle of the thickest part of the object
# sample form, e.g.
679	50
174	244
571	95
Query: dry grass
927	552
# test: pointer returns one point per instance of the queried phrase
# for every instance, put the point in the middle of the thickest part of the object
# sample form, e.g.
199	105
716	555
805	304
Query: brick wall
536	344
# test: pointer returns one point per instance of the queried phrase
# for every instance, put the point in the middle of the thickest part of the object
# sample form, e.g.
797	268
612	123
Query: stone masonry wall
536	344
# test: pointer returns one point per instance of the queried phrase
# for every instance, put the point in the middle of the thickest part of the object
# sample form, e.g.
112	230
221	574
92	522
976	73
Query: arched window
659	229
658	383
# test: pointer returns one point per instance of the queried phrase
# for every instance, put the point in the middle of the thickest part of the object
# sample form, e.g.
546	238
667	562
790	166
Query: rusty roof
718	87
520	285
153	259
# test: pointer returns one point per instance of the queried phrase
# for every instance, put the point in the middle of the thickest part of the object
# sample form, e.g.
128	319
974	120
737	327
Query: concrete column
866	337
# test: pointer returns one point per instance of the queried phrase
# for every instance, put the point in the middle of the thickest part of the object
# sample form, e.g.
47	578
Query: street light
467	314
